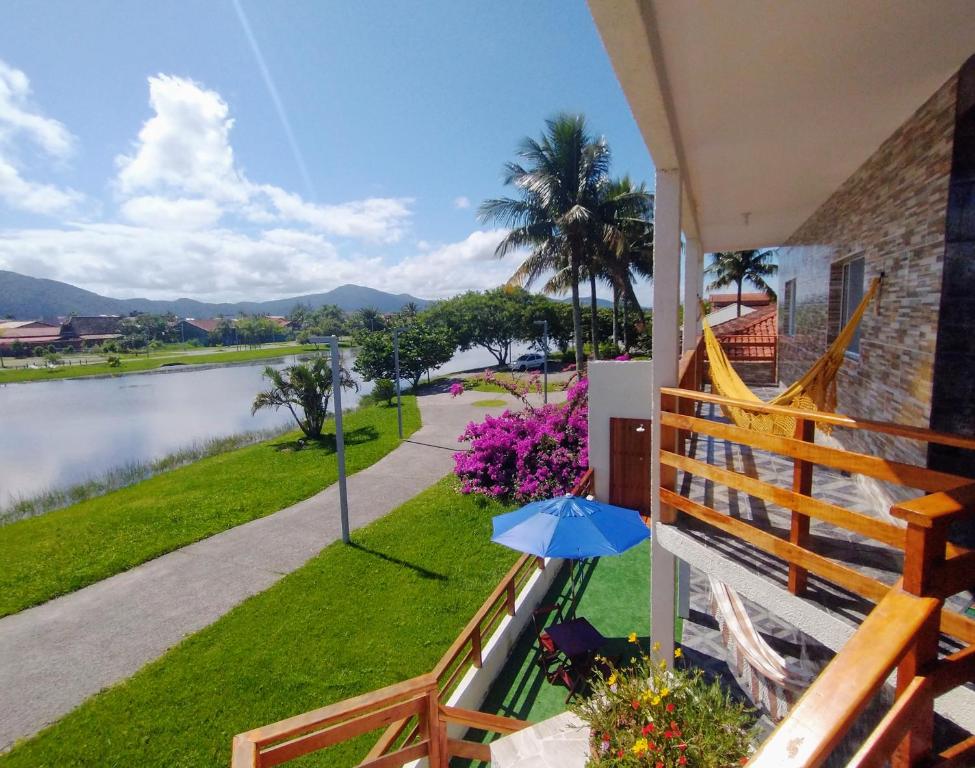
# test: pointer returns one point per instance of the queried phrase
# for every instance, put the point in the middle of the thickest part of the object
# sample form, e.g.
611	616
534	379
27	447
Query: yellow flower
665	693
632	637
639	746
678	653
611	680
656	701
647	695
656	647
663	664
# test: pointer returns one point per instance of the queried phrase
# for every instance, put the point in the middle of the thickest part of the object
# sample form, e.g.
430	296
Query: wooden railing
313	731
414	712
903	630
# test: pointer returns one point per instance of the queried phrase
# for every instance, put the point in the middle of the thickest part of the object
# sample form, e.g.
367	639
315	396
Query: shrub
536	453
114	361
646	714
384	389
608	350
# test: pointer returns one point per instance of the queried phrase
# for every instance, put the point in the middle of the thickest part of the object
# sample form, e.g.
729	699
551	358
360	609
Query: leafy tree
491	320
257	329
423	345
19	349
735	267
225	332
304	388
384	389
556	215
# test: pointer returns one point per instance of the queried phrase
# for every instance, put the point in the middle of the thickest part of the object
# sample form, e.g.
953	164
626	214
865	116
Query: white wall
621	389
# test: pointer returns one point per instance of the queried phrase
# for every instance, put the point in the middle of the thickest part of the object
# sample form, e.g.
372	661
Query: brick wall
892	210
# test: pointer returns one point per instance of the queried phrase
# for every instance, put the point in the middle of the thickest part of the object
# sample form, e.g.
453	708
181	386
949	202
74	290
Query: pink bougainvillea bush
535	453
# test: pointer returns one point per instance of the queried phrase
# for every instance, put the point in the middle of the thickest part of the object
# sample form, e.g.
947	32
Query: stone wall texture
892	211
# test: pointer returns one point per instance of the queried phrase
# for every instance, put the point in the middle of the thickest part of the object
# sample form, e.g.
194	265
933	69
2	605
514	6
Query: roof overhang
767	106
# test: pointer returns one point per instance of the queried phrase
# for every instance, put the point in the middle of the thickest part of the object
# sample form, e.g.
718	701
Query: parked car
529	361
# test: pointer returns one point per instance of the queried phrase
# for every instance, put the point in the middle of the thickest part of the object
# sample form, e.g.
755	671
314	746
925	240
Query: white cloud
166	213
125	261
380	219
17	116
184	152
462	202
454	268
20	125
221	265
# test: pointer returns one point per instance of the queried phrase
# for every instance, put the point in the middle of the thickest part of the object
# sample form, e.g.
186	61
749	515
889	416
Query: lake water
58	433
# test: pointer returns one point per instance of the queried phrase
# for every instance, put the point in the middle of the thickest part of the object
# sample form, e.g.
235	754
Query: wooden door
629	464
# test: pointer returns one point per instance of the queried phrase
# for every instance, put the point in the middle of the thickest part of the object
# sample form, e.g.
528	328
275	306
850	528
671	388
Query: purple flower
532	454
456	389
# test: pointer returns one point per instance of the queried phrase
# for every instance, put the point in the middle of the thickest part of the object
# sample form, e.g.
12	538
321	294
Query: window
850	296
789	308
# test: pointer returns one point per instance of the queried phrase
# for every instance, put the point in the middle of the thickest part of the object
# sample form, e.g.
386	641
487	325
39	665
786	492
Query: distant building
82	331
755	300
190	328
30	333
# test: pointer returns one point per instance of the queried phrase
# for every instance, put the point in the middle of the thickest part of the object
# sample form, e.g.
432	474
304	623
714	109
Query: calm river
57	433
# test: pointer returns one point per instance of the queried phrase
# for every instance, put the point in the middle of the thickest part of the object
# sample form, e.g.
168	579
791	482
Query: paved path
56	655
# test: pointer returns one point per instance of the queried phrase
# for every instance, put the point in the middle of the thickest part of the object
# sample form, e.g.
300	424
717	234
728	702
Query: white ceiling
772	104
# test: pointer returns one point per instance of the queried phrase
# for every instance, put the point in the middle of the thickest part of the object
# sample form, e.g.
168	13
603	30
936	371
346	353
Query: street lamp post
399	402
333	343
544	324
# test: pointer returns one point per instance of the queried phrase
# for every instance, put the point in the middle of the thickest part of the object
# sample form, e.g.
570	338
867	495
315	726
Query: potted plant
651	713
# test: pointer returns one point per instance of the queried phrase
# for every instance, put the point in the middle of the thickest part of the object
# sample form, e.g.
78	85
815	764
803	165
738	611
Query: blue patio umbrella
570	527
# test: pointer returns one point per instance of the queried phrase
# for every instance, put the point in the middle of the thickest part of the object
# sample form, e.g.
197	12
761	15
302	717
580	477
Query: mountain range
31	298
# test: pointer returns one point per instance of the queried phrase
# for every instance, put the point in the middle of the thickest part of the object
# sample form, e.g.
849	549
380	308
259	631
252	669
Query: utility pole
399	401
544	324
333	343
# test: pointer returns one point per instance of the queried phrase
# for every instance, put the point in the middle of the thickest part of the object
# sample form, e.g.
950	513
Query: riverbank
131	473
128	364
67	549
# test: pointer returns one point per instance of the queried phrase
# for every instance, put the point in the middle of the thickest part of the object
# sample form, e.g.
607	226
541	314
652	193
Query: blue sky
142	152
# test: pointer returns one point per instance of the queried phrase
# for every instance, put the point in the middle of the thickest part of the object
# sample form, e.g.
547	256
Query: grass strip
135	364
70	548
353	619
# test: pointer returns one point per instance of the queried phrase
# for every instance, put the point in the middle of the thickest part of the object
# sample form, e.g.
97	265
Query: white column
693	261
666	296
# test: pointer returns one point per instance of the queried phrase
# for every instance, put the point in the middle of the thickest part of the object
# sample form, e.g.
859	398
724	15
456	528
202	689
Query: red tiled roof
209	324
758	299
761	322
8	341
31	331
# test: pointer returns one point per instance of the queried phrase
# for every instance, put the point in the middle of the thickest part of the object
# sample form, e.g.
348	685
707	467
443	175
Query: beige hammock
815	391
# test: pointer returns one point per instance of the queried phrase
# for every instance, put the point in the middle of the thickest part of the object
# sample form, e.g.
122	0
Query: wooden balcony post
436	731
476	657
802	475
918	744
669	440
510	597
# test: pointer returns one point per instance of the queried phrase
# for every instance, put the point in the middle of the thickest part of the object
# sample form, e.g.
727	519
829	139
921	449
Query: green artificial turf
69	548
137	363
353	619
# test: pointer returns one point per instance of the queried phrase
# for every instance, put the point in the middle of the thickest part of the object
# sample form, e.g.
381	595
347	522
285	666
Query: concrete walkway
56	655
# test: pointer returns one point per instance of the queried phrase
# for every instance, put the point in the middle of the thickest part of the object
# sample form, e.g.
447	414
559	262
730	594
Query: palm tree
735	267
626	247
306	387
555	214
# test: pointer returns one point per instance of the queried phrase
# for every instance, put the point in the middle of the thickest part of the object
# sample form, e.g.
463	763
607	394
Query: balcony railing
903	630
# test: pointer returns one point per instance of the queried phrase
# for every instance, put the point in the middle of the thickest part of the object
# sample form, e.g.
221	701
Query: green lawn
69	548
353	619
135	363
483	386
